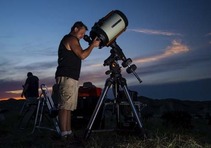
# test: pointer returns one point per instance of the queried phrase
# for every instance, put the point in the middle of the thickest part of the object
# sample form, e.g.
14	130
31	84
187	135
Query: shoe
63	138
59	141
59	138
71	138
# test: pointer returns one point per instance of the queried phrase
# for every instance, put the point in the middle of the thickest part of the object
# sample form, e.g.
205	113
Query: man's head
79	29
29	74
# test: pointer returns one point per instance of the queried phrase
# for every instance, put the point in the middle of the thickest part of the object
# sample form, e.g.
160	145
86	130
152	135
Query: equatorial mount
112	62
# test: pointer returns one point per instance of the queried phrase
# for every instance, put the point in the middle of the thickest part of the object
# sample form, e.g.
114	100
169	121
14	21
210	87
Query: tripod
115	80
45	100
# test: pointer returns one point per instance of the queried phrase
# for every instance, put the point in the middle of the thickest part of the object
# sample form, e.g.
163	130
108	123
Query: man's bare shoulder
70	40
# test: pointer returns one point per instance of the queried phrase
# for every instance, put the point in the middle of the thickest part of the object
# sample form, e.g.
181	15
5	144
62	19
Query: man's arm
73	44
25	87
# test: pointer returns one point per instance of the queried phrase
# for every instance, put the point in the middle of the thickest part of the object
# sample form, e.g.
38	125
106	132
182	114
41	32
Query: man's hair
79	25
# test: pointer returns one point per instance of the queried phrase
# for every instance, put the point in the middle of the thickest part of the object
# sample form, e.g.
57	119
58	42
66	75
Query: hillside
157	107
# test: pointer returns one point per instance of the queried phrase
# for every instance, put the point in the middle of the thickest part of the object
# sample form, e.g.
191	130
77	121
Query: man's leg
68	125
68	91
63	121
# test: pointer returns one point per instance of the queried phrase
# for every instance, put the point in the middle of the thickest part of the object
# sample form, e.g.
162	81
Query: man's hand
96	42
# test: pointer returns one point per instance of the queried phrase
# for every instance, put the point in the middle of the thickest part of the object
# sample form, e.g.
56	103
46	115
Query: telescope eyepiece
87	39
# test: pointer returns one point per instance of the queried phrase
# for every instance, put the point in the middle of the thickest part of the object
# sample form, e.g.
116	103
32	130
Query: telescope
108	28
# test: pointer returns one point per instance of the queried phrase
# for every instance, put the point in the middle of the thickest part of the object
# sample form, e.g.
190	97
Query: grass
159	136
158	140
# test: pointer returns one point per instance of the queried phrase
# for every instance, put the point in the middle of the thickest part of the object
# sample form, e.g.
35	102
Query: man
70	54
31	88
31	93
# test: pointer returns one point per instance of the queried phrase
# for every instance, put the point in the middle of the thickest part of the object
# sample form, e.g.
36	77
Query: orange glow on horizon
16	98
15	94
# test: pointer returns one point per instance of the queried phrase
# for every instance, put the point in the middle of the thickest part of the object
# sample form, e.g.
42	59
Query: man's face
80	32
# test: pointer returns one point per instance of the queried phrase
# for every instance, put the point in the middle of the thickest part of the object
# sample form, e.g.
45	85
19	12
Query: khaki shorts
68	93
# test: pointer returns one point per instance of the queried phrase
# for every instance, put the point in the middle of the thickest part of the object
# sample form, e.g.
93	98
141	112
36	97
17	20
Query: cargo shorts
68	93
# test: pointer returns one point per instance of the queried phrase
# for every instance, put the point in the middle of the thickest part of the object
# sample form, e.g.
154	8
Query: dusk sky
169	41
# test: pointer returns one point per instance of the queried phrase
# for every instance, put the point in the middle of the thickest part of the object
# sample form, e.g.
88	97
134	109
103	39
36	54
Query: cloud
176	47
16	69
14	92
150	65
157	63
175	66
208	34
155	32
7	86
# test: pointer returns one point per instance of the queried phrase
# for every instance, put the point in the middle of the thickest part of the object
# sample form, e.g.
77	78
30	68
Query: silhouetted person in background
31	88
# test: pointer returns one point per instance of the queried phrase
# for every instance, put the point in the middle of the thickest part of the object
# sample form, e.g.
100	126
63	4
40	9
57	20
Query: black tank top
69	64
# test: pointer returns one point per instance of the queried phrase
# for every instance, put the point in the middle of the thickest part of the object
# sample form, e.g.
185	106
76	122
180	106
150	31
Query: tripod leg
50	105
41	112
97	108
22	109
37	114
117	114
134	110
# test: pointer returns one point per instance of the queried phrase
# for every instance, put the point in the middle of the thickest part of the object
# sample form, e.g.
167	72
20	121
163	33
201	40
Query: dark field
159	134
